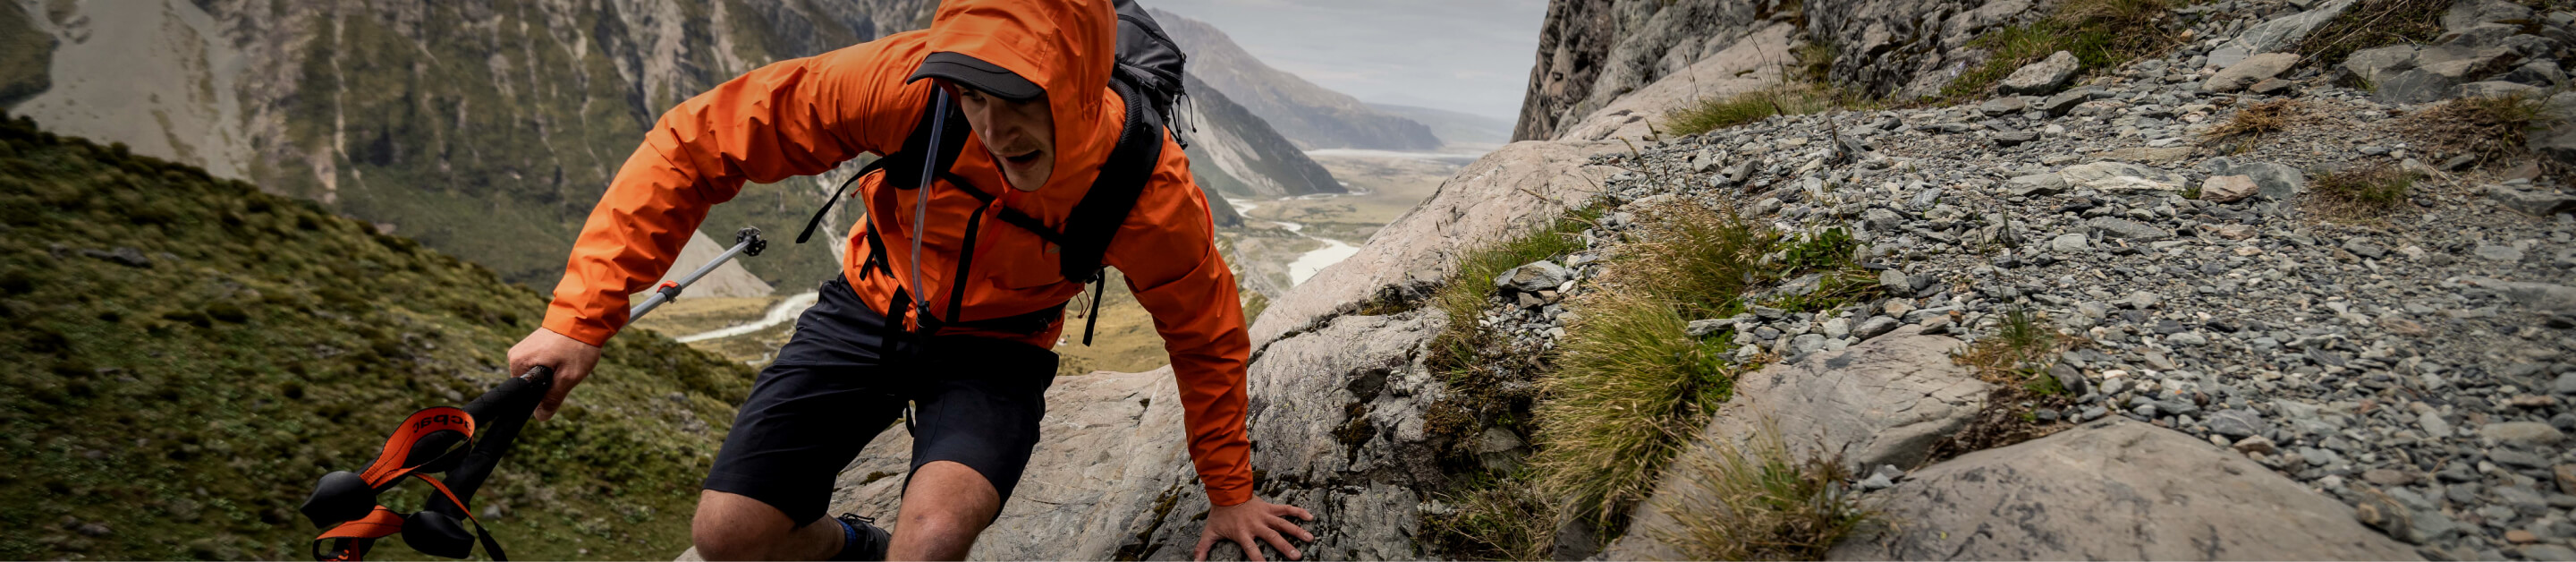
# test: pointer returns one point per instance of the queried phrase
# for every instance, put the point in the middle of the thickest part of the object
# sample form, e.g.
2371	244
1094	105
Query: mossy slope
186	355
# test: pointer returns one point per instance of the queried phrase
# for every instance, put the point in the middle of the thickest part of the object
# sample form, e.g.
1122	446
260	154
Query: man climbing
937	306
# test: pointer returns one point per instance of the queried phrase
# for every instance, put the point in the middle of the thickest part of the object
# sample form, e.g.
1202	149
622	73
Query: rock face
1310	115
1885	401
1337	427
1505	192
2113	489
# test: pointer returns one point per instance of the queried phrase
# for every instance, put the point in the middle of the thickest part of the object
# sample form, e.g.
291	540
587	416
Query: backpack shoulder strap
903	168
1095	220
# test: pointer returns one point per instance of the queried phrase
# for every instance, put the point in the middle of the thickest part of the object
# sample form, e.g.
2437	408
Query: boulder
2042	77
1533	277
1338	414
2113	489
2277	181
2378	64
2469	13
1884	401
1508	191
2111	175
2286	31
2537	296
2413	86
2496	89
2253	69
2466	64
2227	189
2534	203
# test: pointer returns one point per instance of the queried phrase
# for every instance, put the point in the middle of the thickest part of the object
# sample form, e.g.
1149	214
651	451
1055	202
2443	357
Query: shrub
2360	193
2100	33
2489	128
1628	391
1496	520
1762	503
2248	126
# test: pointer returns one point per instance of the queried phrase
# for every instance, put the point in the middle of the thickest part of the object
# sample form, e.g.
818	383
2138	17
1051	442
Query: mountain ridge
1313	116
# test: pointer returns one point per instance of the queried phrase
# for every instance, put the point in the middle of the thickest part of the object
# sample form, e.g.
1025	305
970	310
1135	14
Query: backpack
1147	76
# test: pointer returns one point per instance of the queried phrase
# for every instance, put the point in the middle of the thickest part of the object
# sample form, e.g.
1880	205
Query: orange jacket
805	116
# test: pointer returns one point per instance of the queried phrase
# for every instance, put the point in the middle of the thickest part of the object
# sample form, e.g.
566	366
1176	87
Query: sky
1470	56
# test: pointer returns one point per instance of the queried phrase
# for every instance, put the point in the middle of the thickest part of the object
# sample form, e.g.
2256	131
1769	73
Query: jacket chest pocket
1025	262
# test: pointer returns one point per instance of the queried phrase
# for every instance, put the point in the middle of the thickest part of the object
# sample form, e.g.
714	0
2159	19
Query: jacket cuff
563	320
1228	496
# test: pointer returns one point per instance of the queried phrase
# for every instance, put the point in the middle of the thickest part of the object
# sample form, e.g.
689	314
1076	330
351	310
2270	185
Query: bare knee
734	527
944	508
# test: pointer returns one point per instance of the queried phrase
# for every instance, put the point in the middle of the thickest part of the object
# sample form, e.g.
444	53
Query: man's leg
735	527
974	428
808	415
944	508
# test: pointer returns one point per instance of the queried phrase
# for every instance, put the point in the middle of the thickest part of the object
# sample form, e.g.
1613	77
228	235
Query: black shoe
871	543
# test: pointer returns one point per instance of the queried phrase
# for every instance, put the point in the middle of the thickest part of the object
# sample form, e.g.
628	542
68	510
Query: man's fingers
1205	540
564	381
1250	551
1291	529
1278	542
1302	514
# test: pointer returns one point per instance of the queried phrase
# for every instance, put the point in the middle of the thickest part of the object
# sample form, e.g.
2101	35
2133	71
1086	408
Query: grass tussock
2015	360
2100	33
1763	503
2490	128
1628	391
1719	112
1498	520
2248	126
2360	193
2373	23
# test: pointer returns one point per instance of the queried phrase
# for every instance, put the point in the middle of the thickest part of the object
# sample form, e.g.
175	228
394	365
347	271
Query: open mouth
1022	159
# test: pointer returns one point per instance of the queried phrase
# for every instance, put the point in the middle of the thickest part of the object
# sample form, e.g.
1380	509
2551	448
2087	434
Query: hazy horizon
1477	61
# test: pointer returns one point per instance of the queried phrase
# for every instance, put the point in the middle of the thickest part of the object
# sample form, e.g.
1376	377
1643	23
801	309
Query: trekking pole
344	503
746	242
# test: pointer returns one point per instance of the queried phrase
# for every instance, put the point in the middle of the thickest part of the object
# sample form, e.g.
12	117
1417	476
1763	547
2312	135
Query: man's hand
1254	518
570	358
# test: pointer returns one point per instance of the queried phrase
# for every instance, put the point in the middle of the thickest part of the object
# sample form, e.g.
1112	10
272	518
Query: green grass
2360	193
2100	33
1763	503
1629	390
1719	112
1488	386
188	406
1495	518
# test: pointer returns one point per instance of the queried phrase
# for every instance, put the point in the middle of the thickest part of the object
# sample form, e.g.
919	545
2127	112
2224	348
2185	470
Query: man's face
1020	135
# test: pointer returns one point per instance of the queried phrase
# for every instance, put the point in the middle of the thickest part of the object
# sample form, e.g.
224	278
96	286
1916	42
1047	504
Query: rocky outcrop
1505	192
1337	427
1885	401
2115	489
1751	63
1590	54
1311	115
1234	153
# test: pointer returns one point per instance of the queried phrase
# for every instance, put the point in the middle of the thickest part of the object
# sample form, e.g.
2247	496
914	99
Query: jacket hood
1067	47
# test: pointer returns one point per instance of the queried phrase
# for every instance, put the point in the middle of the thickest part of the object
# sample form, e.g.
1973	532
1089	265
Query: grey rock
2468	13
2495	89
2120	176
2461	64
2070	379
2041	77
2126	229
2534	203
122	255
2280	182
2498	253
2058	105
2238	423
2362	247
2006	105
2014	138
1926	198
1806	343
1884	401
2521	434
2414	86
2227	189
1875	326
2376	65
1533	277
2286	31
2539	296
2539	73
1702	328
2253	69
2112	489
2036	185
2069	244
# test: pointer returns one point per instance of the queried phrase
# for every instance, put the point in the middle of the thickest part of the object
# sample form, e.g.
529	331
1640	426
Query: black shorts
839	381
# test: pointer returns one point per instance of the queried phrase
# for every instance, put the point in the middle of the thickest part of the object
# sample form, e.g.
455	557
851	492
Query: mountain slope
1453	127
481	129
193	353
1311	115
1251	159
